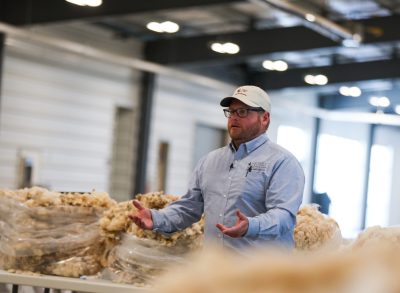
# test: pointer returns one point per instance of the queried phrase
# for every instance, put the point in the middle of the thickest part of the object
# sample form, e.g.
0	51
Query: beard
241	135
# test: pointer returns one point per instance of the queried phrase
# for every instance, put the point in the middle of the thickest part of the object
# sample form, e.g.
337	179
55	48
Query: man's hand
239	229
143	218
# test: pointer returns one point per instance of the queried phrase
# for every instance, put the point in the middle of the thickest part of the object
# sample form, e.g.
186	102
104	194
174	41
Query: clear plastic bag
61	240
140	260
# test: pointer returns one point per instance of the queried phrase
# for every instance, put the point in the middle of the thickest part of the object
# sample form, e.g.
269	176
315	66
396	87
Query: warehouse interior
102	98
352	43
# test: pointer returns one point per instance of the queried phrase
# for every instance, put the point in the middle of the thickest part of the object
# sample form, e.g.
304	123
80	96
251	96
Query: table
74	284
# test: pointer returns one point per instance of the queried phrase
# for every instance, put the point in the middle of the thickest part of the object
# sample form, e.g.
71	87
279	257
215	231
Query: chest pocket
256	181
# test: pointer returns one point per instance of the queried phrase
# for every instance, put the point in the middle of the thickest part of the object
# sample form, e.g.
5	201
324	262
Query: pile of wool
115	222
52	232
218	271
42	197
138	256
316	231
377	236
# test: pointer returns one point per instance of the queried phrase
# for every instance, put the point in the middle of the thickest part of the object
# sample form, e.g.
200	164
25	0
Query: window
340	171
294	140
379	189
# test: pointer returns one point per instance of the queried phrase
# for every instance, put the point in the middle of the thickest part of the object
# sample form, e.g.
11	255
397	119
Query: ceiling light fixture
353	42
382	102
353	91
319	79
278	65
397	109
225	48
91	3
310	17
163	27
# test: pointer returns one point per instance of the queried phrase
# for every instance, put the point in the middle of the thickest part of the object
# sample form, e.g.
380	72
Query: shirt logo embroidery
259	166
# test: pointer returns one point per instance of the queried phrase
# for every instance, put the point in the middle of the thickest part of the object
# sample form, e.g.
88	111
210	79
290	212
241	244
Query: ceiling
264	29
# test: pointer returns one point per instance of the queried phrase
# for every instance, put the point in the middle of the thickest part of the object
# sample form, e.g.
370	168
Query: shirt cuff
254	227
156	220
157	227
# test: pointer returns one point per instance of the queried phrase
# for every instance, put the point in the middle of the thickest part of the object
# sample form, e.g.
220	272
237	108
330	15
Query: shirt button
219	235
224	195
230	178
220	215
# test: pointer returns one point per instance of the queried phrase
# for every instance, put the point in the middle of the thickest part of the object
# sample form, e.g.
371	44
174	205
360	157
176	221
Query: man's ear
266	116
266	119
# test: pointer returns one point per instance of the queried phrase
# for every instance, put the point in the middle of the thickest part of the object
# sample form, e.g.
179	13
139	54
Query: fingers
240	215
221	227
136	220
137	205
232	231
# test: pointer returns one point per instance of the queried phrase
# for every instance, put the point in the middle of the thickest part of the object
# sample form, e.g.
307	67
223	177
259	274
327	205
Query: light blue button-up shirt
261	179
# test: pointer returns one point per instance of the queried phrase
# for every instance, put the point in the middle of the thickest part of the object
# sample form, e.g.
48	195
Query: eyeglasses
241	112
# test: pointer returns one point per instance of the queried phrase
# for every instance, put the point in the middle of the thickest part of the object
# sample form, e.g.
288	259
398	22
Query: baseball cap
251	95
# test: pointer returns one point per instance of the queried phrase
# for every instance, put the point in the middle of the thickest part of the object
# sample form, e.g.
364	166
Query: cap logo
241	91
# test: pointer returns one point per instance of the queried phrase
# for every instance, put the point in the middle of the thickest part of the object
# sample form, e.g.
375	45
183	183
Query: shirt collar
252	144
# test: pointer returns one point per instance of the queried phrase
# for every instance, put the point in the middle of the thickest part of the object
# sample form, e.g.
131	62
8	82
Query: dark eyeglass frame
241	112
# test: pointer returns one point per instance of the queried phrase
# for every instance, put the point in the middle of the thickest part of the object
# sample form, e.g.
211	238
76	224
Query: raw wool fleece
267	271
137	256
388	237
315	231
116	221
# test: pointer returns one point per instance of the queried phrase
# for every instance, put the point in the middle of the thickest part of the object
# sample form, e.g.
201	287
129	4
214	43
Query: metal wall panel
60	107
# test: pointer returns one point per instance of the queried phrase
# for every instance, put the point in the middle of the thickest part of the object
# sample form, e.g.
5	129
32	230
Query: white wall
60	107
178	106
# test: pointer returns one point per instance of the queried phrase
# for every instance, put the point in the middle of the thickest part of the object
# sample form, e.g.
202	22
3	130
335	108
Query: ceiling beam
27	12
259	42
339	73
252	43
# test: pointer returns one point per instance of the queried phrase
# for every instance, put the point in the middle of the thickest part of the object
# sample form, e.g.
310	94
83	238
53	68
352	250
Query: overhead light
278	65
344	91
225	48
163	27
217	47
268	64
353	91
170	27
397	109
319	79
309	79
92	3
384	102
154	26
381	102
310	17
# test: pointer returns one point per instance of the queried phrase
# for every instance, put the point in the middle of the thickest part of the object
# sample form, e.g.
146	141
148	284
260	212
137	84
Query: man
249	190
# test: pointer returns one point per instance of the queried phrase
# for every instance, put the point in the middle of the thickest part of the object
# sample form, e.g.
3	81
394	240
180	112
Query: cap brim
225	102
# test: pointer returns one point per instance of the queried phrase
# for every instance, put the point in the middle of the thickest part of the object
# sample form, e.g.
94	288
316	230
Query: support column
146	103
2	41
313	158
370	143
